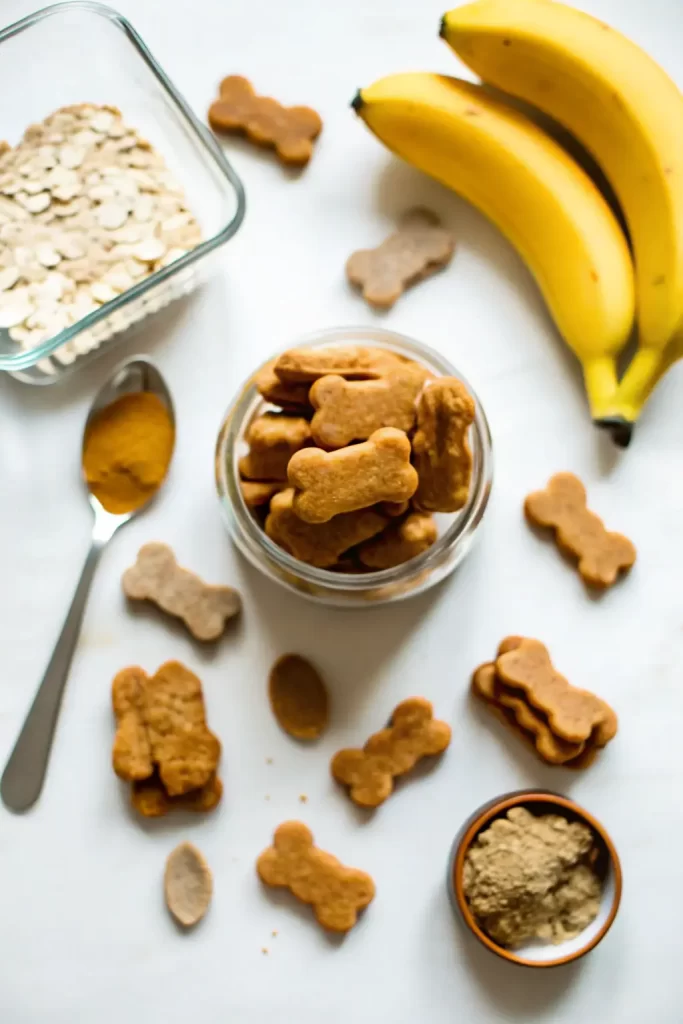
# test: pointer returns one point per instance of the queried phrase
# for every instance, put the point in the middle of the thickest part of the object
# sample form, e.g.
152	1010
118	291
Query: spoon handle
24	774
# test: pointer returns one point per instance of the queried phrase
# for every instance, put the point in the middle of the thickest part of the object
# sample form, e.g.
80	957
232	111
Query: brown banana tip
357	101
619	427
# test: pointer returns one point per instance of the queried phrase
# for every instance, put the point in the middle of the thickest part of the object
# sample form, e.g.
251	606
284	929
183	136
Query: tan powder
530	877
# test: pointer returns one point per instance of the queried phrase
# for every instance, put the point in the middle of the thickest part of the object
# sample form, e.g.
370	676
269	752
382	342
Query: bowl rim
463	525
24	359
493	809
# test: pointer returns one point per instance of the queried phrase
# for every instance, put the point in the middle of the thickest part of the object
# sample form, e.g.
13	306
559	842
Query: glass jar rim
464	524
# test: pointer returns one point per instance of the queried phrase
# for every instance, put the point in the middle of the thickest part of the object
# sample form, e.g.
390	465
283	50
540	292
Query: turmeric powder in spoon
127	450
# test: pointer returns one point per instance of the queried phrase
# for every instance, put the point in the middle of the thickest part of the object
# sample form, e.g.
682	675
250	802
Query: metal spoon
24	774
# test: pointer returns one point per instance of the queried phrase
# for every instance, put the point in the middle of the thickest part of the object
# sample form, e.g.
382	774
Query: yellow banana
627	112
639	382
536	195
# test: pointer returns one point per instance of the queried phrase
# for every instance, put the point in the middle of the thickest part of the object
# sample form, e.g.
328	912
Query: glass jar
456	531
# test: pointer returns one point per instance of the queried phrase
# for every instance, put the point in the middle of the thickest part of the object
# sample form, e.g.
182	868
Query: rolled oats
87	209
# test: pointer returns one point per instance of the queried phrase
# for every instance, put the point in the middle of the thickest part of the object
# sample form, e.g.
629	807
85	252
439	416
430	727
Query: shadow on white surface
149	615
361	641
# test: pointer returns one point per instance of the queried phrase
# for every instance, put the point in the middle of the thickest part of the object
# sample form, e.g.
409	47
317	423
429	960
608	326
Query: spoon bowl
24	774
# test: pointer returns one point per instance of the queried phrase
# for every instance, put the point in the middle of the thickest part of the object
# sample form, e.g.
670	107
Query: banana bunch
627	114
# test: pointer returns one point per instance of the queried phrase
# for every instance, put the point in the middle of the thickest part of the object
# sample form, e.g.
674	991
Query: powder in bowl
529	877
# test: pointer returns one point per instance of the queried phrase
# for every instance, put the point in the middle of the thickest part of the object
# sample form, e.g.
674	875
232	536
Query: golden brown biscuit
353	362
157	577
328	484
257	493
335	892
150	799
523	718
273	438
290	131
441	449
414	733
418	249
601	555
132	754
572	714
319	544
298	697
161	723
402	541
291	397
347	411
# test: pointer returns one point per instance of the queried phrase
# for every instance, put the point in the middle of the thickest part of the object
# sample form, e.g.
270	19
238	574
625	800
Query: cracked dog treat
352	410
188	885
573	714
413	733
529	877
157	577
601	556
290	131
353	362
400	542
87	210
298	697
273	438
319	544
150	799
161	726
441	449
418	249
328	484
335	892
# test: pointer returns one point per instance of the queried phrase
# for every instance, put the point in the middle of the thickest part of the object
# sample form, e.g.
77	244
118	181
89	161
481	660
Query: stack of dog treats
366	445
566	726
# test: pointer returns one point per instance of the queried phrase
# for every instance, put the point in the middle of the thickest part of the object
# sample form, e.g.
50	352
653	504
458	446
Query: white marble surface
83	933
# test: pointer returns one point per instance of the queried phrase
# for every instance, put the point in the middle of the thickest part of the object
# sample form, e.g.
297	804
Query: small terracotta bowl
607	866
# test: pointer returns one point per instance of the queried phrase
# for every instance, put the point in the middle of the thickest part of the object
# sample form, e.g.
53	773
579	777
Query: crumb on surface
267	796
303	799
269	760
274	934
264	950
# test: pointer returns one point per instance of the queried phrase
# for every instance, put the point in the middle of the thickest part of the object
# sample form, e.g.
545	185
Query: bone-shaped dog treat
561	506
353	362
335	892
523	718
369	773
161	723
257	493
289	395
352	410
400	542
572	714
319	544
290	131
273	438
328	484
419	248
441	450
150	799
157	577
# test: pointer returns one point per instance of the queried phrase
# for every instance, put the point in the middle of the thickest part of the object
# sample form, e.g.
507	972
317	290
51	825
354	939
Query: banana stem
600	376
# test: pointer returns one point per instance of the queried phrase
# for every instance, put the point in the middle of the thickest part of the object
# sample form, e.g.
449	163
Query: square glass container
456	531
81	52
